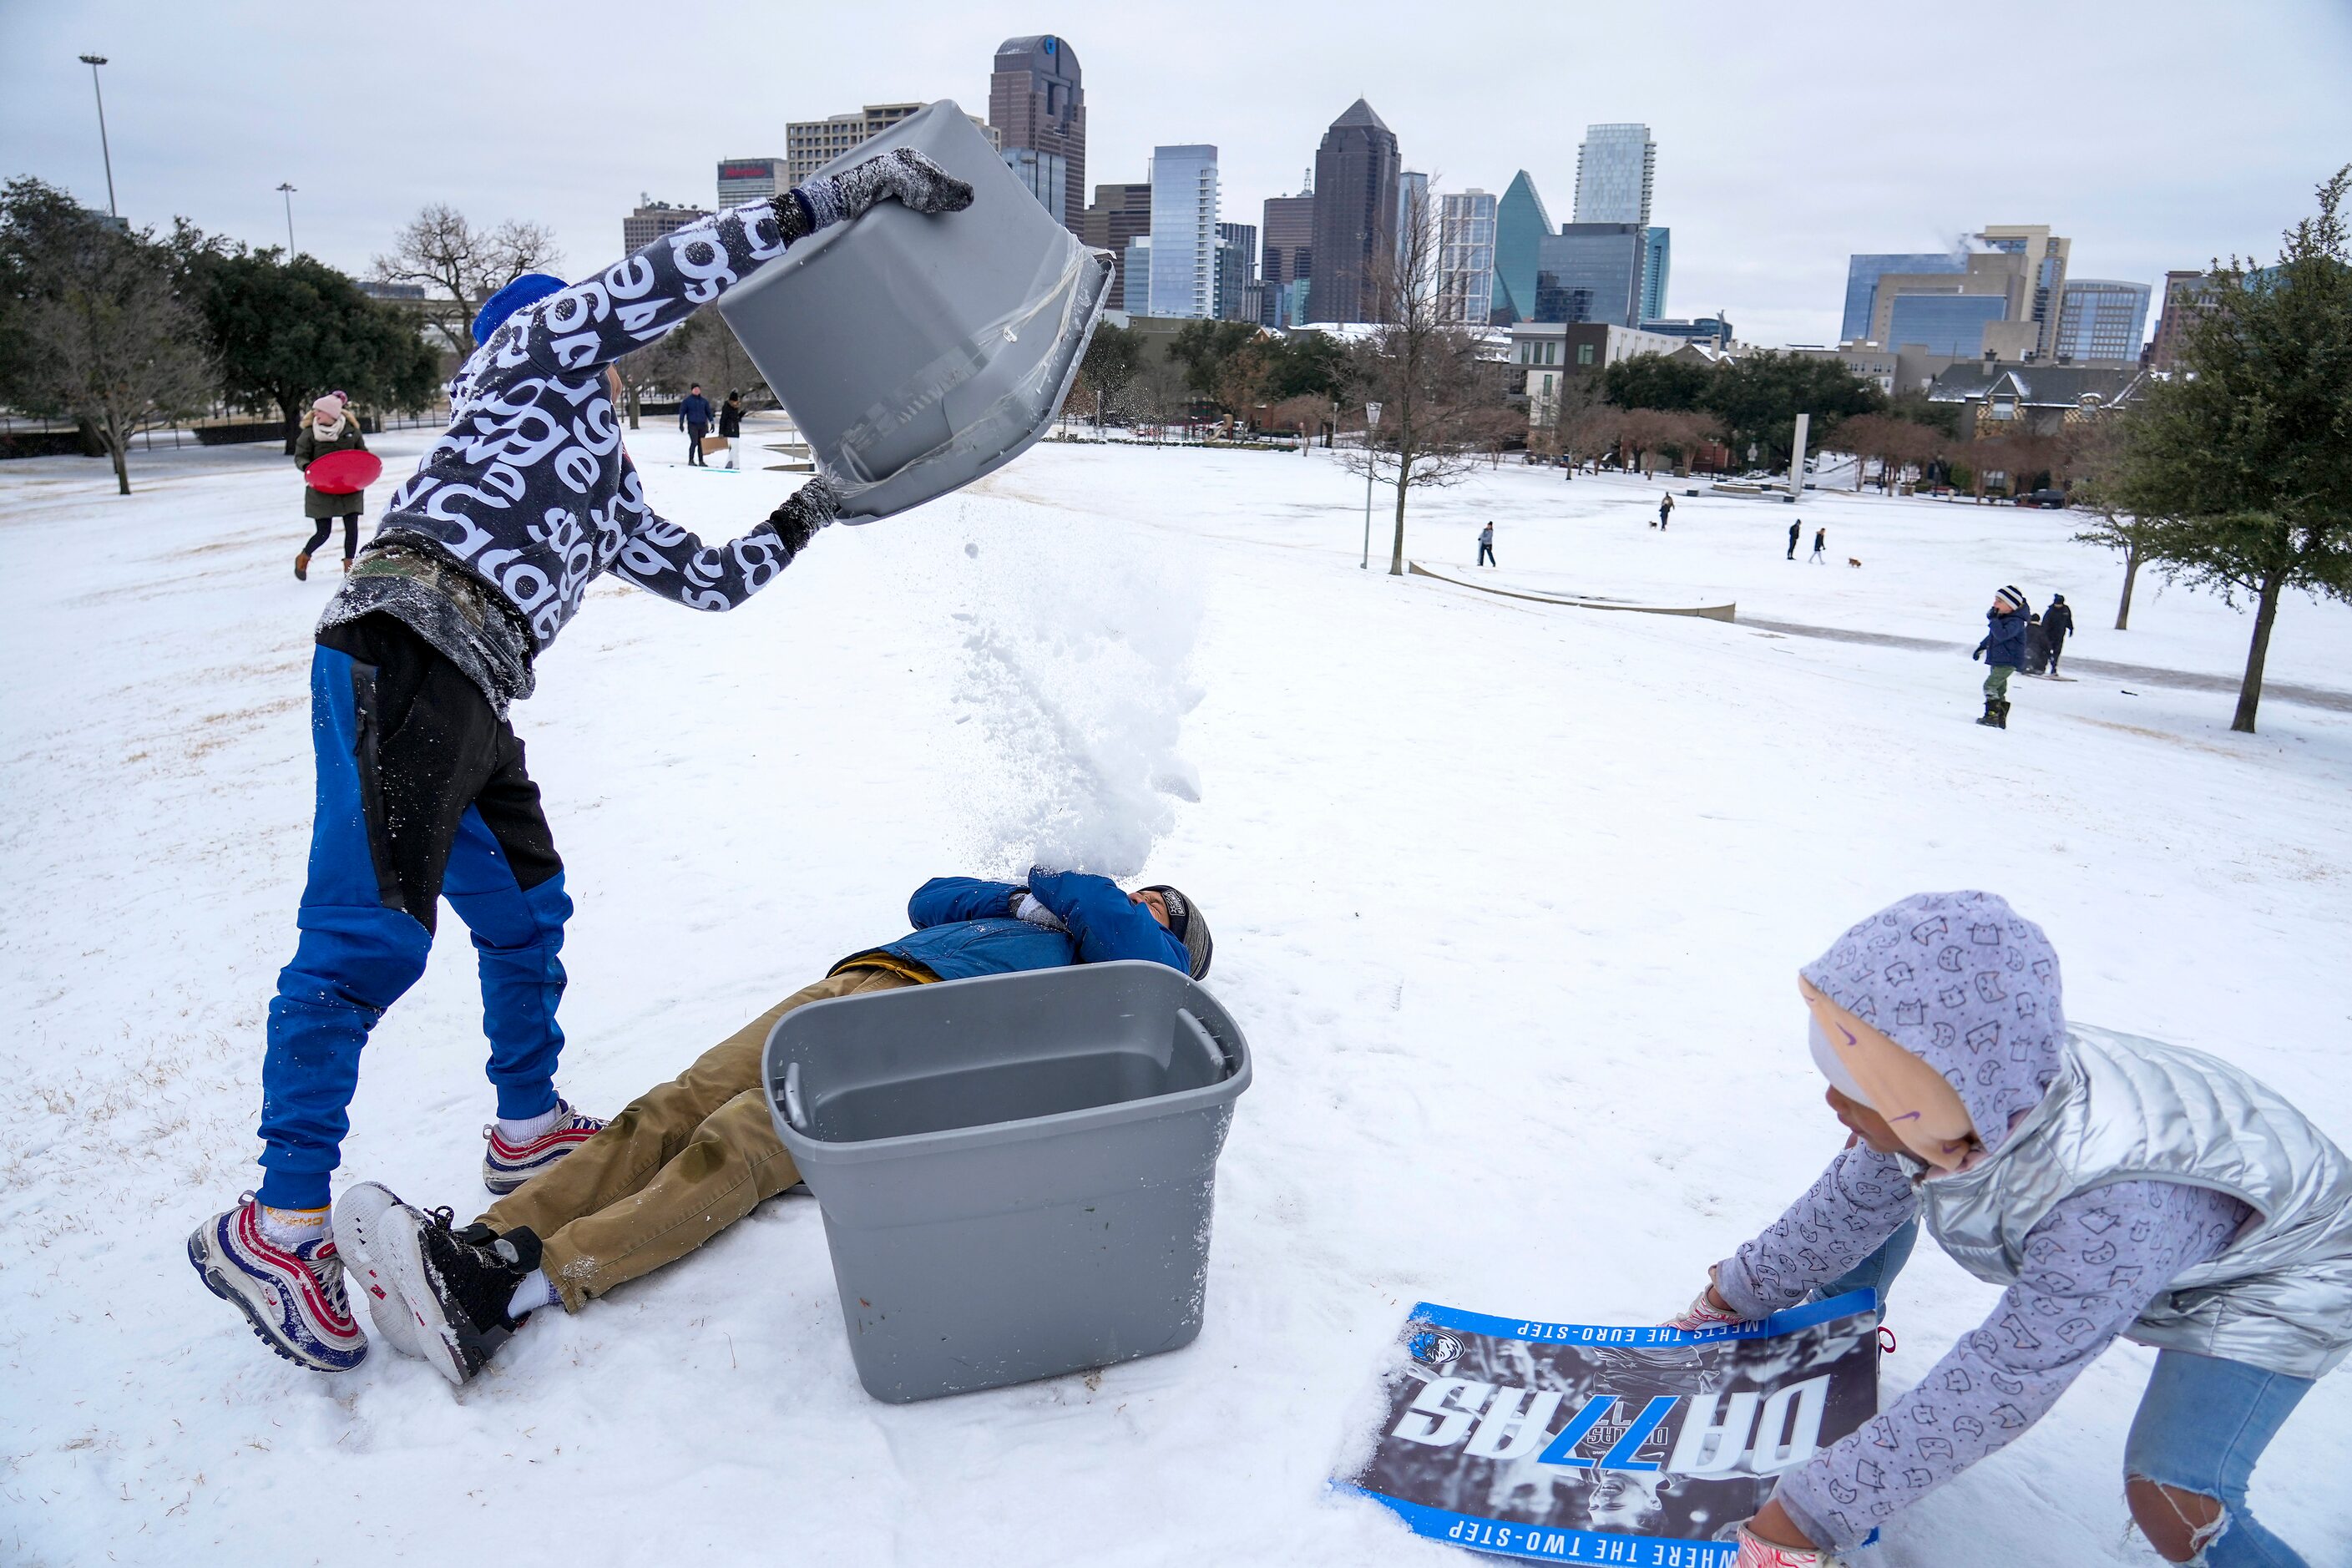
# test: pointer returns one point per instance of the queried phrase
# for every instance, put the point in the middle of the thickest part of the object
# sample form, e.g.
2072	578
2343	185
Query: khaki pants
682	1163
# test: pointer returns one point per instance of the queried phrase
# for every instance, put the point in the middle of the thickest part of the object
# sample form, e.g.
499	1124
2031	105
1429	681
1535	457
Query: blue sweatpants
422	794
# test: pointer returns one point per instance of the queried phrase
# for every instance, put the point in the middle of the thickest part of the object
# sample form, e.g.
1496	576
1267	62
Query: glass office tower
2101	319
1616	167
1862	276
1465	257
1520	225
1184	230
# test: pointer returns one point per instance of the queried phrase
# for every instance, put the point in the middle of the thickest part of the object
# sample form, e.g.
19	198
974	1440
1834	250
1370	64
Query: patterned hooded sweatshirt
488	548
1969	986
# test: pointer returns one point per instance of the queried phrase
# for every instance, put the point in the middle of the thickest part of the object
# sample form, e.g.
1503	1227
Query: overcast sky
2154	133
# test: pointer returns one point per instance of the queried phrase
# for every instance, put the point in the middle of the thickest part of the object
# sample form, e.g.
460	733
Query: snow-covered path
1508	898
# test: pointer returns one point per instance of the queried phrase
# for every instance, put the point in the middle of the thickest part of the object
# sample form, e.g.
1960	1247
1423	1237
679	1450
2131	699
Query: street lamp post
1371	424
93	62
287	192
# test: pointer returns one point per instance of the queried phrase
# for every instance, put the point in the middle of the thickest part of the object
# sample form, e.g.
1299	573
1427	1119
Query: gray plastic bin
916	354
1016	1172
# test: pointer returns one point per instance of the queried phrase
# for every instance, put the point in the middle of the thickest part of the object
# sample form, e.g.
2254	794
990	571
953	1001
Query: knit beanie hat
2009	597
1186	924
1966	985
328	409
527	289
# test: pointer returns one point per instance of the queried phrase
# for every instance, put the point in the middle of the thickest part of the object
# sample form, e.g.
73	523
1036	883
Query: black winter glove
902	174
804	511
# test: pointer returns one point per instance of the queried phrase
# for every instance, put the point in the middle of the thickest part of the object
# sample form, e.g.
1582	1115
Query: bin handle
795	1111
1185	1020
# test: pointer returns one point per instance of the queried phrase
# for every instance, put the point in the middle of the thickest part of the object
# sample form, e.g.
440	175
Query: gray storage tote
916	354
1016	1172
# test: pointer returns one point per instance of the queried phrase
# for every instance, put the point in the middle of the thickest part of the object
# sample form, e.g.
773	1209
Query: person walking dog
1821	545
329	426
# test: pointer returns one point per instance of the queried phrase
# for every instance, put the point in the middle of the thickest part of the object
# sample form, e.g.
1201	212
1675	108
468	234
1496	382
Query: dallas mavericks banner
1586	1443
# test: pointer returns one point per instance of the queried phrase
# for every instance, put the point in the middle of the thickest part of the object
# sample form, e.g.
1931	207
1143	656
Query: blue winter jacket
2004	640
965	927
694	413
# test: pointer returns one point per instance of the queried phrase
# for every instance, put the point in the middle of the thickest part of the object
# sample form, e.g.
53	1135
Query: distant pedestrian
1821	544
329	426
2003	649
1486	545
731	425
694	418
2057	625
1665	509
1796	532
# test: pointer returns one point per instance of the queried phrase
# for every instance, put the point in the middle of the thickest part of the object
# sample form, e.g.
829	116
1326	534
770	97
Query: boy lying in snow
2112	1185
691	1157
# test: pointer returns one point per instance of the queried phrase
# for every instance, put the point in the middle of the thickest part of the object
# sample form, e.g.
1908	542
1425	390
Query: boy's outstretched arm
1103	922
647	293
943	900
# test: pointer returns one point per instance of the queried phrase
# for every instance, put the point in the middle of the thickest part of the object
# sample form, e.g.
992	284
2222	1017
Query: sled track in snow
1575	602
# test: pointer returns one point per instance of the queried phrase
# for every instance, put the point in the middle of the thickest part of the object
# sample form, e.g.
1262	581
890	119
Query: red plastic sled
344	473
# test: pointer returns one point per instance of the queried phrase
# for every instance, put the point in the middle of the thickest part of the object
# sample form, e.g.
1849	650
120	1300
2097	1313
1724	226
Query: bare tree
1424	370
702	349
440	249
97	333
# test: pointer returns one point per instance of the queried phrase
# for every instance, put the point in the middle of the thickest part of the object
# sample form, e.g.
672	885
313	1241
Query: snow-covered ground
1507	896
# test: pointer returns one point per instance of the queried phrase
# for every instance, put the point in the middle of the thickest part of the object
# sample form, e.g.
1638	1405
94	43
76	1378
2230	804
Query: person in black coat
2037	645
731	425
2057	626
694	418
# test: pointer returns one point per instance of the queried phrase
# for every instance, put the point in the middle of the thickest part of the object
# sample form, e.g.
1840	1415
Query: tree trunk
117	448
2131	576
293	424
632	408
2249	690
1404	478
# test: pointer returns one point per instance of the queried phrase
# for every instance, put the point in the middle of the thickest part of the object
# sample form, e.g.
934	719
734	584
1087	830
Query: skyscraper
2101	319
1657	258
1413	197
2188	296
1589	273
1288	251
1862	276
2045	260
1043	175
744	180
1615	168
1465	257
1121	214
1520	225
1184	230
1237	293
1355	216
1035	100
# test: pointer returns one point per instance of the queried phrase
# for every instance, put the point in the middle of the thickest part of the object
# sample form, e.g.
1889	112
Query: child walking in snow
2114	1187
483	556
2003	649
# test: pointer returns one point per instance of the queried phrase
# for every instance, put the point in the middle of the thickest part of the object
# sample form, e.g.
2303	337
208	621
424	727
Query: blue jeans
2201	1425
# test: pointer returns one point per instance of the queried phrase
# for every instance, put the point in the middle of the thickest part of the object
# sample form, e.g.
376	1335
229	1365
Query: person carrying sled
690	1157
2003	649
730	427
483	556
327	426
2114	1186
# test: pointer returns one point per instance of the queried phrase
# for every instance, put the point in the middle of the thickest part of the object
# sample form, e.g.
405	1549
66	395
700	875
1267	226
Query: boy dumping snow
482	558
691	1157
2112	1185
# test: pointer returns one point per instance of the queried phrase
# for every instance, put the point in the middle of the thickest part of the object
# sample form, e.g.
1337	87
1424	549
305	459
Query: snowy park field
1508	896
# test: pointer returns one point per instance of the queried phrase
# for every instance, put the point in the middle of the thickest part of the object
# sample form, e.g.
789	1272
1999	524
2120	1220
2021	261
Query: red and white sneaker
293	1298
506	1166
1757	1553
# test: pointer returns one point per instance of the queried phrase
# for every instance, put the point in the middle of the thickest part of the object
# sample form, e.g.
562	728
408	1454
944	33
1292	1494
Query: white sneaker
359	1237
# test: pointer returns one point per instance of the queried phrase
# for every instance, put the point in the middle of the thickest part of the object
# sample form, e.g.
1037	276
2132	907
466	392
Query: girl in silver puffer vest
2113	1185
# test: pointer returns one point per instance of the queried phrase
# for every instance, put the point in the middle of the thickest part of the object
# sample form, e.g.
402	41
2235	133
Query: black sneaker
456	1284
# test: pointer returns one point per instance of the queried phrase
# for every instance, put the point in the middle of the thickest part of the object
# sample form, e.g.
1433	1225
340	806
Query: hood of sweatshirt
1967	984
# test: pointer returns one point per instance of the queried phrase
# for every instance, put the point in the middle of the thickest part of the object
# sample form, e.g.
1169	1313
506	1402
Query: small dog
1854	561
